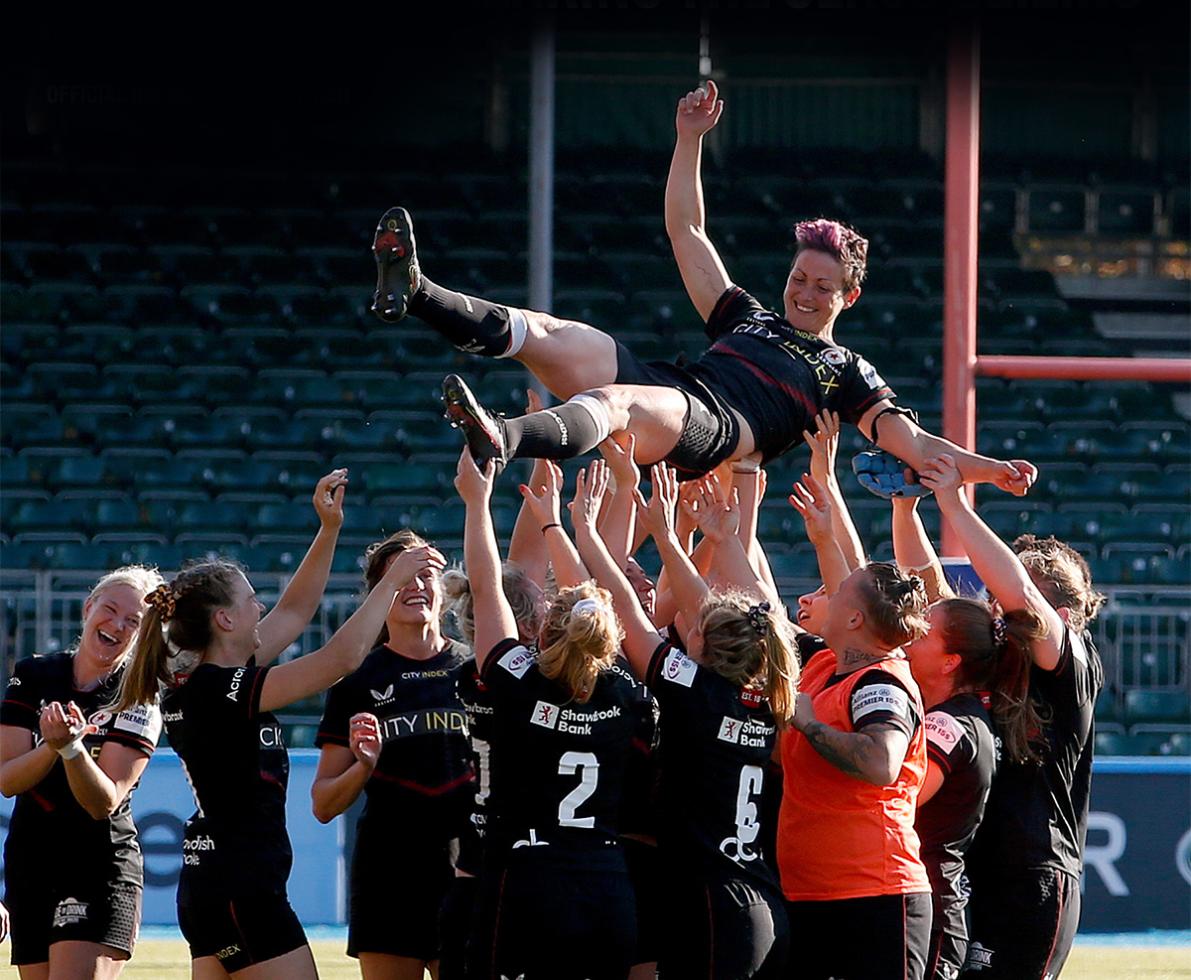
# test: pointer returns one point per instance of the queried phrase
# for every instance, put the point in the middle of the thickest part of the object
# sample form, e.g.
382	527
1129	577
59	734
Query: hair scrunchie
163	599
588	606
758	617
1000	632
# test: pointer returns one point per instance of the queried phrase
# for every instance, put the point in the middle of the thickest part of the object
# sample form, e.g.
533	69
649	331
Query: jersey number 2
588	767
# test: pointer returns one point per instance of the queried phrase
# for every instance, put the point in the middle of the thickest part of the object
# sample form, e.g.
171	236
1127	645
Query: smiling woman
72	864
396	730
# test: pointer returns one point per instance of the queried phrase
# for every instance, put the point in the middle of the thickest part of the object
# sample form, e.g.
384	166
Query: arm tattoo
847	751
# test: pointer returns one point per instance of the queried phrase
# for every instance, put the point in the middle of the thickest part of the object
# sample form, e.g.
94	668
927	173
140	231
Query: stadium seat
1056	208
1125	210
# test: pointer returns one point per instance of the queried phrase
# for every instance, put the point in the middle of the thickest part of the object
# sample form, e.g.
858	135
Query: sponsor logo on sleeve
15	682
834	356
880	697
678	668
870	376
100	719
517	661
142	720
233	692
545	715
227	952
943	731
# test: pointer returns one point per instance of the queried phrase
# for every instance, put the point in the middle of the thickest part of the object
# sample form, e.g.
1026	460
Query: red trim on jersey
463	780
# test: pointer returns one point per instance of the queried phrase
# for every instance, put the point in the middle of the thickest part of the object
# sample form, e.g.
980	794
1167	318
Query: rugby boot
483	431
397	274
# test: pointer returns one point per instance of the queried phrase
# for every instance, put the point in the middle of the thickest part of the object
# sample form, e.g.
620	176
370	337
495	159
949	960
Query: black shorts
725	927
44	910
646	877
239	929
455	926
884	937
395	896
554	917
710	432
1022	925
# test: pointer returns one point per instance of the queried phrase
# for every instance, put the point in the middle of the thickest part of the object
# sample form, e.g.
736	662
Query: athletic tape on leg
518	328
598	412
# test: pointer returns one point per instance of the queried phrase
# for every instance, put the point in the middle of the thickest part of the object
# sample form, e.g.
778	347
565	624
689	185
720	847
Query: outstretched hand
718	514
591	485
699	111
543	498
811	501
618	450
657	515
328	499
824	443
474	483
942	475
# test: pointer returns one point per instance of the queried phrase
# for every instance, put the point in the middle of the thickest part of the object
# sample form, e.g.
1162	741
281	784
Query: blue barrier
1137	872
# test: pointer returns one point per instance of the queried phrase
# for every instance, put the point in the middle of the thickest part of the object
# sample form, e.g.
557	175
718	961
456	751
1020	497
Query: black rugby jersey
234	757
47	822
423	781
477	706
959	740
1037	815
640	812
779	377
717	740
558	767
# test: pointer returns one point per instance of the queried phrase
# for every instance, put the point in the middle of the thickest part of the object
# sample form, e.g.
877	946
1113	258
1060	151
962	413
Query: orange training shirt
839	836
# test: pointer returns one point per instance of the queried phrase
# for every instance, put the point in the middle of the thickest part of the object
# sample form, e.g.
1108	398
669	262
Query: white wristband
71	749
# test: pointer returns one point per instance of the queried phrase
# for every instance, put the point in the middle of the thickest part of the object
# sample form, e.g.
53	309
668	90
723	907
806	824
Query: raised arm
750	483
618	518
824	443
994	561
299	602
543	502
345	651
527	546
687	586
719	520
897	433
641	639
493	615
810	500
699	263
913	551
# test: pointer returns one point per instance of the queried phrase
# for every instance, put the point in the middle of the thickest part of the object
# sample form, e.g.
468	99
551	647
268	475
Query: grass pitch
166	959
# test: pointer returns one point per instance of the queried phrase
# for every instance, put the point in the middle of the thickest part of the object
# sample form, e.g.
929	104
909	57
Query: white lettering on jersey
545	715
678	668
730	729
943	731
233	693
142	720
880	697
517	661
15	682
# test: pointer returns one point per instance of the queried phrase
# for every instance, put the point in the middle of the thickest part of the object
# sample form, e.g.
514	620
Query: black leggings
1023	926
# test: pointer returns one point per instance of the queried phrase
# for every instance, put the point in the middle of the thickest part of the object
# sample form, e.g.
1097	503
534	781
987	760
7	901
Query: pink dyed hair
840	242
